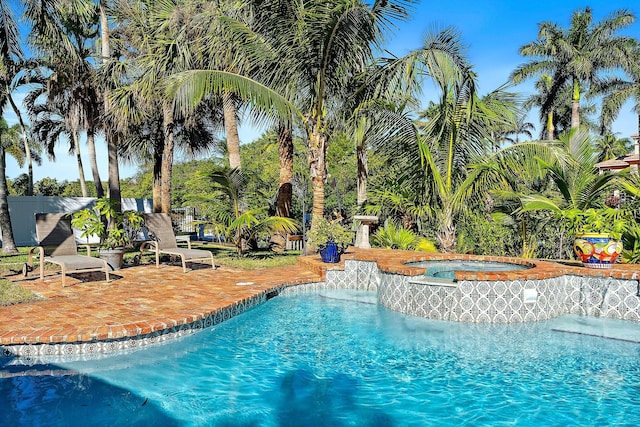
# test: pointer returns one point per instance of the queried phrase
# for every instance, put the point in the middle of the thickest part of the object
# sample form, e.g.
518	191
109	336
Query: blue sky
493	30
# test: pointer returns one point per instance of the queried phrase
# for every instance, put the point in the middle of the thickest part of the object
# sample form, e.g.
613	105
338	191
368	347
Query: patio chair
57	245
163	241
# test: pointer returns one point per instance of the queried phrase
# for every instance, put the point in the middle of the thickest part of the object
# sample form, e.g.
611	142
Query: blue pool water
447	269
338	359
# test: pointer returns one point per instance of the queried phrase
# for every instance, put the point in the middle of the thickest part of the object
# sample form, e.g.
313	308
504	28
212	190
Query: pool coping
396	262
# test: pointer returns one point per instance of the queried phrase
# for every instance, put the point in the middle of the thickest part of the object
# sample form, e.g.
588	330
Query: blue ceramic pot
330	253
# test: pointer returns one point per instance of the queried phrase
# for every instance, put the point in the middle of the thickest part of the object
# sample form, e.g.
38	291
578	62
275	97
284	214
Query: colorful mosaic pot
597	250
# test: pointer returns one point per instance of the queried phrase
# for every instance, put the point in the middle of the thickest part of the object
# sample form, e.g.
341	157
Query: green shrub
480	236
393	236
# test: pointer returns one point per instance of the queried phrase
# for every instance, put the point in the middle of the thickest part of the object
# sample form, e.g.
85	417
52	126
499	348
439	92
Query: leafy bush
480	236
331	231
393	236
631	243
602	220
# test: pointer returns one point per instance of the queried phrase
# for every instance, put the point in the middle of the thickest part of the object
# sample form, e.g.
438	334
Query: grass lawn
226	255
12	293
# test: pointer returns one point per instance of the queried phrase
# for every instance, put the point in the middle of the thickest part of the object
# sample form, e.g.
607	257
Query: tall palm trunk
8	243
110	135
27	149
76	147
285	187
550	127
285	155
167	158
446	236
91	146
363	174
231	129
361	158
575	105
157	177
318	171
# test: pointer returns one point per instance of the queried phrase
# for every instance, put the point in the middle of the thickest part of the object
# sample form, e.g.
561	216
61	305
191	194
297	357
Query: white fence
23	209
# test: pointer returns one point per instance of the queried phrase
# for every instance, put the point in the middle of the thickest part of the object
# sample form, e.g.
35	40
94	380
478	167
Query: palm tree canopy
577	56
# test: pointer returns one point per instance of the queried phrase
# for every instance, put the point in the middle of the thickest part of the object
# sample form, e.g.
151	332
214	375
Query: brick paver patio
139	300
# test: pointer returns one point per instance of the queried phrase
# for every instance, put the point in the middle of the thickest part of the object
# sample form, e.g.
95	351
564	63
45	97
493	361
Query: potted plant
331	238
598	233
115	230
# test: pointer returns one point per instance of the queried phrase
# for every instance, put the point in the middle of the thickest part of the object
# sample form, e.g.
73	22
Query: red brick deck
144	299
139	301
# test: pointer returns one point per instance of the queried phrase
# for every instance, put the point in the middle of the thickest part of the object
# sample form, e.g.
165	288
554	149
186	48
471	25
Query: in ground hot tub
471	289
446	269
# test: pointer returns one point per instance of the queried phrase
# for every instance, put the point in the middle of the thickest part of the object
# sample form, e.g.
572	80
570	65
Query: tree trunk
114	167
8	243
167	158
157	177
110	136
231	129
447	235
575	105
91	146
363	174
285	155
76	147
550	127
27	149
285	188
318	172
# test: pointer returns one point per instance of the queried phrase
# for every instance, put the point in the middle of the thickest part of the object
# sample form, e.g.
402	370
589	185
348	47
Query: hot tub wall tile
500	300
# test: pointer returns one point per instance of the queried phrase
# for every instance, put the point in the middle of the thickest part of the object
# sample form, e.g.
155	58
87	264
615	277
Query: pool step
433	281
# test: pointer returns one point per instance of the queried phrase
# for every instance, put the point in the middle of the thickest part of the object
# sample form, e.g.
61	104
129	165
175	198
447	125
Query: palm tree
578	186
10	55
334	42
547	103
239	224
453	135
609	146
576	56
30	152
49	126
523	127
617	91
450	134
72	81
108	127
9	141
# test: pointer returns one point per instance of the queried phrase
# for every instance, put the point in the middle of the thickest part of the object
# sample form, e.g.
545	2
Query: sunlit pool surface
338	359
447	269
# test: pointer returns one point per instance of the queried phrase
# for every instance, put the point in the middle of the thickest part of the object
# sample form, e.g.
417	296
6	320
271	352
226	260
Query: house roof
618	163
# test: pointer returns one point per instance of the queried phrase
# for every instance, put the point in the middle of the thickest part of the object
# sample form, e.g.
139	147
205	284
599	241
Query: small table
362	236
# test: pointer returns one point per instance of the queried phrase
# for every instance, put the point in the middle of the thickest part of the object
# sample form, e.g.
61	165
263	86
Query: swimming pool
337	358
447	269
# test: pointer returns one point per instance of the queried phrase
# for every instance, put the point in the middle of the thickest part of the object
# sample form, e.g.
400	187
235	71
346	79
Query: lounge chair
57	245
163	241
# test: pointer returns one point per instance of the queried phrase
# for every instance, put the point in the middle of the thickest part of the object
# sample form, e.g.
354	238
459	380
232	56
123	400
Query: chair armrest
40	250
153	245
88	247
184	239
